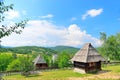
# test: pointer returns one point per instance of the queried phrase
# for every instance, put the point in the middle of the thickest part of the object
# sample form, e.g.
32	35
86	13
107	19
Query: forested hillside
67	49
28	49
36	49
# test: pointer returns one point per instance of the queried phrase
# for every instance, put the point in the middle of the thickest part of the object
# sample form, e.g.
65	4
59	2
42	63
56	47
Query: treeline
110	48
13	62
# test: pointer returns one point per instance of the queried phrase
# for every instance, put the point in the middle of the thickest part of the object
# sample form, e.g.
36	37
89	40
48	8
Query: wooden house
40	63
87	59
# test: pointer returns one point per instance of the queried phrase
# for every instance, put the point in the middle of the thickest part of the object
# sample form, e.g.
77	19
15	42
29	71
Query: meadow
109	72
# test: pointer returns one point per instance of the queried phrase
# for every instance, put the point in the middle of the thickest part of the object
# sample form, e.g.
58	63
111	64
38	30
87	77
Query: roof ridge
39	59
88	45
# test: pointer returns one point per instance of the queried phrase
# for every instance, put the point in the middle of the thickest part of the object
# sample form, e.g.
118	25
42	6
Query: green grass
48	75
62	74
112	68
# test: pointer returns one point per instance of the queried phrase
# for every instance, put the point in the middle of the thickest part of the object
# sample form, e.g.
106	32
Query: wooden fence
10	73
117	62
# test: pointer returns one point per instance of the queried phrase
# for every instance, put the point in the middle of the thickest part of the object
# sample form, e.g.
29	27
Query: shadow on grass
33	75
99	72
103	71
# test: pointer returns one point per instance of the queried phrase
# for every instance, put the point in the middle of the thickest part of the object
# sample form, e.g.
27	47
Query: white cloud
12	14
92	13
76	37
47	16
45	33
73	18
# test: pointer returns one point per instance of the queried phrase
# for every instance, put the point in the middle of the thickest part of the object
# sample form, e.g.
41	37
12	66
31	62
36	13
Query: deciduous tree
111	46
63	60
8	30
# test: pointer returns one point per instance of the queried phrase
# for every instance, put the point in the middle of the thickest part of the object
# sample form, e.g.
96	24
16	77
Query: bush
14	65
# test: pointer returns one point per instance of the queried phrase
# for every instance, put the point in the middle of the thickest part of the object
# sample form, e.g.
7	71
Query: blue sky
63	22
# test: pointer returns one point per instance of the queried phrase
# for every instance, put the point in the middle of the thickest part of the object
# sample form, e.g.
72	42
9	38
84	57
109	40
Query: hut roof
87	54
39	60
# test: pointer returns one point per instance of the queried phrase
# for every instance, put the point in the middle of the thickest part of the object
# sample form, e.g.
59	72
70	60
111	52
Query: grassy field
109	73
112	68
49	75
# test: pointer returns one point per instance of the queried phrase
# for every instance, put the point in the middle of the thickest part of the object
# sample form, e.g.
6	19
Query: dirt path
100	76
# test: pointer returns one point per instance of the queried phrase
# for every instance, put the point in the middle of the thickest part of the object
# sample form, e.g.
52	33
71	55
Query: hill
28	49
36	49
68	49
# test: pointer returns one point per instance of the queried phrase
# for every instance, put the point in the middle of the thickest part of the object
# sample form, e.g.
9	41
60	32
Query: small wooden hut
40	63
87	59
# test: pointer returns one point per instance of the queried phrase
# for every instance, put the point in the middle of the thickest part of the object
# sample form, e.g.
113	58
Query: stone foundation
79	70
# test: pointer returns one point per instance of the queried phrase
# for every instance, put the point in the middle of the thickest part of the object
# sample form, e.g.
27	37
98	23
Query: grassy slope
65	74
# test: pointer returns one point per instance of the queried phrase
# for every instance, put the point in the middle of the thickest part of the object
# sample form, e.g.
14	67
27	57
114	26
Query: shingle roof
87	54
39	60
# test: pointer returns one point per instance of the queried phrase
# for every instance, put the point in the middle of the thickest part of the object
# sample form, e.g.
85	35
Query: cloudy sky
63	22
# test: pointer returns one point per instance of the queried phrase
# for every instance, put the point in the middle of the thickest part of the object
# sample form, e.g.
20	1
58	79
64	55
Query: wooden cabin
40	63
87	59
